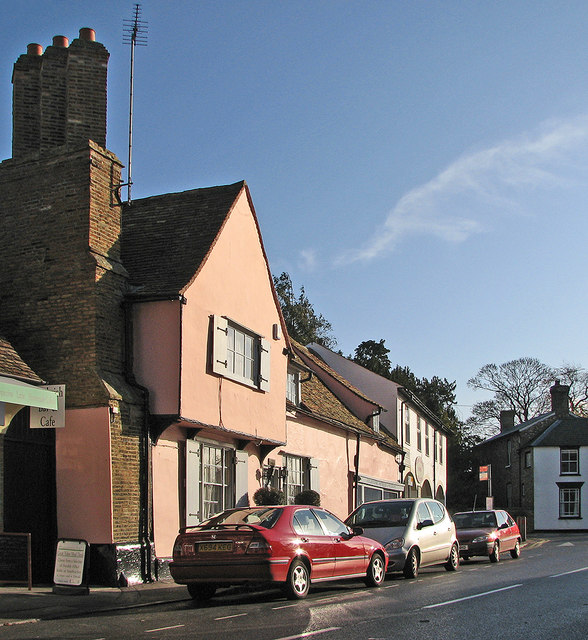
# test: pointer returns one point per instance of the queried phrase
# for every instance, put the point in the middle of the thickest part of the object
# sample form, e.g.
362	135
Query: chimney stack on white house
560	399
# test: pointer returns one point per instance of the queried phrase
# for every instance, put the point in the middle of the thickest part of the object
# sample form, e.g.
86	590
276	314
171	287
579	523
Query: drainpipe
434	463
145	452
356	478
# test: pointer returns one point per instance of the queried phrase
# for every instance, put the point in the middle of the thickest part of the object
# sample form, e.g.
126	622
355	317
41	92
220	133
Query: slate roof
166	238
571	431
13	366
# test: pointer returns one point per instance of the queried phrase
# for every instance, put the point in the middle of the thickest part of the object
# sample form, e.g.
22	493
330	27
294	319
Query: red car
487	533
292	545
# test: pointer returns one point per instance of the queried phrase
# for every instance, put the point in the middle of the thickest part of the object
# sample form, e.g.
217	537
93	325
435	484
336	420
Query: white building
418	431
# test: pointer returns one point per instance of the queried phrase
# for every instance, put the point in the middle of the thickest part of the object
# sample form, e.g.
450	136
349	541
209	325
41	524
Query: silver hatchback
416	532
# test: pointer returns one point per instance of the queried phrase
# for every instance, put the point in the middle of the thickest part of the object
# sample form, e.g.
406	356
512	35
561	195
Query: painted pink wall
84	478
336	448
156	356
234	282
166	487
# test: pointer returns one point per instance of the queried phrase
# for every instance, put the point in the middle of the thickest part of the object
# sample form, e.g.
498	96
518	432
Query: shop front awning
15	395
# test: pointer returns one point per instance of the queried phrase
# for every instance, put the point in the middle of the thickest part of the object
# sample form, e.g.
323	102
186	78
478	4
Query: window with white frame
406	425
297	478
569	499
293	386
419	434
240	354
299	474
367	492
211	479
427	440
441	445
569	461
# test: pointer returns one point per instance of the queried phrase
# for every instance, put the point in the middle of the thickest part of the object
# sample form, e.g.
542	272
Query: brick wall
59	97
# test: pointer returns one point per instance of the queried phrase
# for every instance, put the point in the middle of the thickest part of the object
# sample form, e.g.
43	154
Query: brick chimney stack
59	97
560	400
507	418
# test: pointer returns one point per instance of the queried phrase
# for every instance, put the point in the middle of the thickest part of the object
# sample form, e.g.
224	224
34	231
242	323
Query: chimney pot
60	41
87	34
34	49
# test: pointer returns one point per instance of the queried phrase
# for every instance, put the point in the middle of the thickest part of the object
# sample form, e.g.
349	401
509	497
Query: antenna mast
134	33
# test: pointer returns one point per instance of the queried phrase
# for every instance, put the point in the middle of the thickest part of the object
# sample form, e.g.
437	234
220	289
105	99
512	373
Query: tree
577	379
521	385
373	356
303	323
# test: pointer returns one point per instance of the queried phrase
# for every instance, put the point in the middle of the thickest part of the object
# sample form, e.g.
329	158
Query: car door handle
303	539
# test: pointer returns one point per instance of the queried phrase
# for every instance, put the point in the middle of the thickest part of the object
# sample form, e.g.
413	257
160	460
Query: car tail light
259	546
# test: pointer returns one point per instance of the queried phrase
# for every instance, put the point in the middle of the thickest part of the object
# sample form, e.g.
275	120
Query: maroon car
487	533
292	545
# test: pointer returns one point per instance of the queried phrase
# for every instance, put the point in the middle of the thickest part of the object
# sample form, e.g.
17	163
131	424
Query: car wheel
516	552
495	553
376	573
298	581
453	560
201	591
411	566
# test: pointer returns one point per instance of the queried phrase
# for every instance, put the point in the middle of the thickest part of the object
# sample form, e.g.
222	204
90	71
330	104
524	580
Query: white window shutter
192	483
241	479
313	467
219	345
264	364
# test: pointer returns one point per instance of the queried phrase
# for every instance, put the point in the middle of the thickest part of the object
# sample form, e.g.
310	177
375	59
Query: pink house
209	344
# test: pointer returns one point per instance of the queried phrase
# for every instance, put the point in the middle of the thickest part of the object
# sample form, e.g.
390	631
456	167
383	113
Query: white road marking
567	573
477	595
236	615
175	626
310	633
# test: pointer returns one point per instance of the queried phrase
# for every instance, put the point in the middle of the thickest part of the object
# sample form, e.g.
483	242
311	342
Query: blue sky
421	167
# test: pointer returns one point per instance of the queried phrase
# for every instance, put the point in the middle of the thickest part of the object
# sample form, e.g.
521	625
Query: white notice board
70	561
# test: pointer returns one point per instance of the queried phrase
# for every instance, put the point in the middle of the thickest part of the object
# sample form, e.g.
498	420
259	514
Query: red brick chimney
560	399
59	97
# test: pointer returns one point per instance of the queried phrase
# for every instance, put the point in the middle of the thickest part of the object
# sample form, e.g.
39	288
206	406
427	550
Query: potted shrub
309	497
269	496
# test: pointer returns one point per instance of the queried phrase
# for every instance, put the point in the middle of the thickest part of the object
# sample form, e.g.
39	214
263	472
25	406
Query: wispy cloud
467	197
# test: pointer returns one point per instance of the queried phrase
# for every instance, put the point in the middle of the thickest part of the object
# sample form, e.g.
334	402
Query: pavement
18	605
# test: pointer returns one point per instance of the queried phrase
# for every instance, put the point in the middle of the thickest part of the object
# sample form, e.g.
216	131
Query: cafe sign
50	418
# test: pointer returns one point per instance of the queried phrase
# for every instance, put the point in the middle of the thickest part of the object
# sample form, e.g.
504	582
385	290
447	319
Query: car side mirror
504	525
424	523
357	531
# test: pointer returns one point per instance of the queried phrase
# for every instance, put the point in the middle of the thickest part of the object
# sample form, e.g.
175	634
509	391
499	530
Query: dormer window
375	422
293	386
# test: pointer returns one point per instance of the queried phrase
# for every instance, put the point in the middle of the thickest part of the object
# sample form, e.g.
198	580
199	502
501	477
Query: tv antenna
134	33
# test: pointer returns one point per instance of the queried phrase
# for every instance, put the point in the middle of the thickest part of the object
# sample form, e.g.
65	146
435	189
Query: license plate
215	546
464	547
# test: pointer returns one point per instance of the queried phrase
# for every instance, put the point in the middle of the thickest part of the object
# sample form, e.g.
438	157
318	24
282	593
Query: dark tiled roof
12	365
564	432
166	238
313	359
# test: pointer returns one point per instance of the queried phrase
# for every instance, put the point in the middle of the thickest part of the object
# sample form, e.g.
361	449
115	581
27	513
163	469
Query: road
543	594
